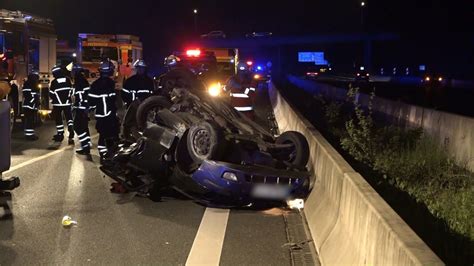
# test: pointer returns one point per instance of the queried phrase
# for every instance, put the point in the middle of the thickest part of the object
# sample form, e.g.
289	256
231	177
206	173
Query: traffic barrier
349	222
455	132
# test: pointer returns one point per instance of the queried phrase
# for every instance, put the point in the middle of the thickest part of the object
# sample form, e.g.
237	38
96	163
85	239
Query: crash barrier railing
349	222
4	136
455	132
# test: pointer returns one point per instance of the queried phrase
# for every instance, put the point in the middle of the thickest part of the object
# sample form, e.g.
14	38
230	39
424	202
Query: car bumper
249	183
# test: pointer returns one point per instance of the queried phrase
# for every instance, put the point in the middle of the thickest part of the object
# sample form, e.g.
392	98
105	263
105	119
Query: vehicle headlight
295	204
230	176
40	86
256	76
215	89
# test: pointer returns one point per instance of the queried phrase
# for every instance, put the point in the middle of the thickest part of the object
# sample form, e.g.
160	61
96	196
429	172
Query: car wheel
299	156
204	142
177	78
148	110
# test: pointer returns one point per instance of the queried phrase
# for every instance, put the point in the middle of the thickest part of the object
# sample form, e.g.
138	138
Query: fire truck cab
122	50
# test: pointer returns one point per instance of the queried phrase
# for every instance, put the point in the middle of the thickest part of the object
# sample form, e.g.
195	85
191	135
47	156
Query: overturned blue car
203	148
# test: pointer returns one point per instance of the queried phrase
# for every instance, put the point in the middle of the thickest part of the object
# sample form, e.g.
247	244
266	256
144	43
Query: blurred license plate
275	192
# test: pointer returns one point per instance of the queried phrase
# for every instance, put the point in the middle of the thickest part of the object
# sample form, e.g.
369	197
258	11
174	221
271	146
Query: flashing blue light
259	67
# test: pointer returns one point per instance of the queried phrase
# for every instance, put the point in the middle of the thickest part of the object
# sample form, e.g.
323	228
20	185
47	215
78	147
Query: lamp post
195	12
362	13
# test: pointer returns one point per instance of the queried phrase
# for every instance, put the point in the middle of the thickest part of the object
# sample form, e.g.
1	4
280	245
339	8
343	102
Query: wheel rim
202	142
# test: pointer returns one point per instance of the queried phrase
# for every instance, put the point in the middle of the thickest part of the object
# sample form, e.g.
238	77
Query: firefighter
241	90
81	109
138	86
135	89
60	93
30	104
102	98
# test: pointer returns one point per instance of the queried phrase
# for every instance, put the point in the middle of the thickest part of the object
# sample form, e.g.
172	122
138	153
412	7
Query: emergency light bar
193	52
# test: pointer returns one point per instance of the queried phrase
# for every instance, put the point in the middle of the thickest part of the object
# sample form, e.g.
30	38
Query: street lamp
195	11
362	13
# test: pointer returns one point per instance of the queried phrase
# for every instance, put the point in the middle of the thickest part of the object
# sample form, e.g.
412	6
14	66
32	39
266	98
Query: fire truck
227	59
27	42
122	50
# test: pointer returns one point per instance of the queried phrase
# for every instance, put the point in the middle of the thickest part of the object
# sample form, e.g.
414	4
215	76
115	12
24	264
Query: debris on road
68	221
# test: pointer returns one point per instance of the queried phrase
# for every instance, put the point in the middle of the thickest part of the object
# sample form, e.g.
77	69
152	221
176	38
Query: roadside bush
415	163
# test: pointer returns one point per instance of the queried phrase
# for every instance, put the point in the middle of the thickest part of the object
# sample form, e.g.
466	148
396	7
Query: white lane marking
72	201
34	160
207	246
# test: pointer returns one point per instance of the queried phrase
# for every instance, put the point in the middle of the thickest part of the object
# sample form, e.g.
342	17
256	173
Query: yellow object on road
68	221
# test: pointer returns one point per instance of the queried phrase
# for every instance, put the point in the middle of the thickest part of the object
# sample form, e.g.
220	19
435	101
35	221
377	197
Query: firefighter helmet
106	67
139	63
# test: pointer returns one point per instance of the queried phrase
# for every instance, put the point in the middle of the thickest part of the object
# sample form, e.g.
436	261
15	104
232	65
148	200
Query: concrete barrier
455	132
349	222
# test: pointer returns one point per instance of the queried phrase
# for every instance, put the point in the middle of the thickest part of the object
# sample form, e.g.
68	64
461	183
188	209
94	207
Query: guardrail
349	222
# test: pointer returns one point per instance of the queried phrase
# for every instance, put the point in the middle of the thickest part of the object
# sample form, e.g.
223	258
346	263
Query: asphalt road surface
123	229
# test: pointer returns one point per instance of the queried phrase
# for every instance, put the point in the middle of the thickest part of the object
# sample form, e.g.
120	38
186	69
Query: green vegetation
408	159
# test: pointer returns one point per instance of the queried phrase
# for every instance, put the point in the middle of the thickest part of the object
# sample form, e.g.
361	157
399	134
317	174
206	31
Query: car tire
204	141
177	78
300	156
149	105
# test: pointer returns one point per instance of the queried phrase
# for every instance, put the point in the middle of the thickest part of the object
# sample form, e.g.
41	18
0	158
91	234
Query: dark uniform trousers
58	112
81	126
108	128
29	121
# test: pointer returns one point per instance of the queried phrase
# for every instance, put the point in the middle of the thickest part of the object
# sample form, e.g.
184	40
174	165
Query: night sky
165	25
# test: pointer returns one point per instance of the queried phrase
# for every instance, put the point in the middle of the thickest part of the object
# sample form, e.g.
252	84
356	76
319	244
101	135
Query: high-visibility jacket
81	93
61	91
241	95
102	97
137	87
30	95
